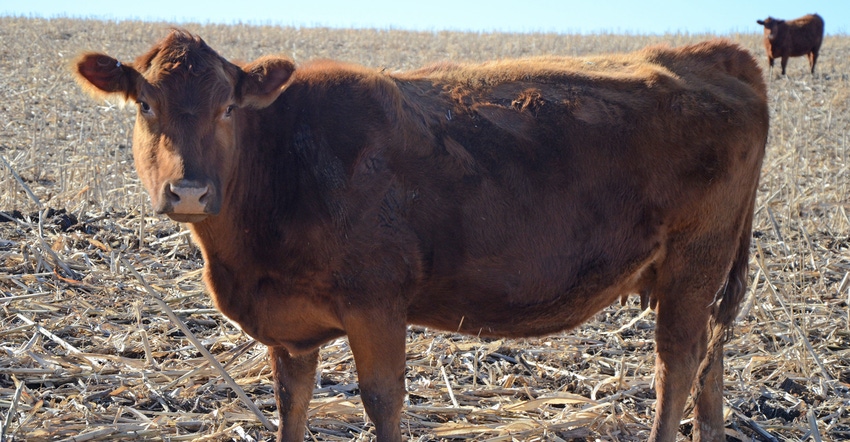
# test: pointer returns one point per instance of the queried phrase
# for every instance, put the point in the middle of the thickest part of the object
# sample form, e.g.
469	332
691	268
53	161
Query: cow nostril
170	194
205	196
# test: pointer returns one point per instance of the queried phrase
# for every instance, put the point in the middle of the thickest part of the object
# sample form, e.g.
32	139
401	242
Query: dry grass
89	354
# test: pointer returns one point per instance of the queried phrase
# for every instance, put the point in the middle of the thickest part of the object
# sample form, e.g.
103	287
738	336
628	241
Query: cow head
189	100
771	27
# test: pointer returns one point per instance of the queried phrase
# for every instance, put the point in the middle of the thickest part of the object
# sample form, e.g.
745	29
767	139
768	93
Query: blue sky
565	16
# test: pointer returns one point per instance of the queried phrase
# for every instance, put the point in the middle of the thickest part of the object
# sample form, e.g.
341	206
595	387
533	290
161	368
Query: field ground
87	354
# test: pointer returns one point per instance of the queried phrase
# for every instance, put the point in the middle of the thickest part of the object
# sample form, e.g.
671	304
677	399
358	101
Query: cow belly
538	307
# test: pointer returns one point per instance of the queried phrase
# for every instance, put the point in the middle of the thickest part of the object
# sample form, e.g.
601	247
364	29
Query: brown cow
793	38
511	198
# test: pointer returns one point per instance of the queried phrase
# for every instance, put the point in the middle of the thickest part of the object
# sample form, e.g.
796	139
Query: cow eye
229	110
145	108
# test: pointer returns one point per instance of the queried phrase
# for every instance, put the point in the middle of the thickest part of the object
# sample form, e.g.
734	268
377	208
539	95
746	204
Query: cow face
771	27
185	140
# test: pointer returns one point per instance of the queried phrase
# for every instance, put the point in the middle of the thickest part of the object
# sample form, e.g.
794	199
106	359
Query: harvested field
106	332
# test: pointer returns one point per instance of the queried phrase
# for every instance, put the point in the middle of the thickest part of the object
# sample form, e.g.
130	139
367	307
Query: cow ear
103	76
263	80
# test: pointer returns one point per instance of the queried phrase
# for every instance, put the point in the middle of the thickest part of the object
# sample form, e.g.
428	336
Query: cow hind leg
681	340
709	387
293	389
697	300
709	423
813	59
784	63
700	293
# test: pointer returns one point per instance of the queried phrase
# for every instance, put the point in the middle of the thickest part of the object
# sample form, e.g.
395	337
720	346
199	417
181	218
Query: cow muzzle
188	201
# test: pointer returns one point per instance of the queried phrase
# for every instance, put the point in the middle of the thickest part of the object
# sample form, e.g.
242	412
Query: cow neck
265	194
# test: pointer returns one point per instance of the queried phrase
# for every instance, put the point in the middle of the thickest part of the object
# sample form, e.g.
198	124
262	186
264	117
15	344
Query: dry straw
89	350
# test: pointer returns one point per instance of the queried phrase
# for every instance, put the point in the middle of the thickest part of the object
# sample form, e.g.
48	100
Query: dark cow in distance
793	38
510	198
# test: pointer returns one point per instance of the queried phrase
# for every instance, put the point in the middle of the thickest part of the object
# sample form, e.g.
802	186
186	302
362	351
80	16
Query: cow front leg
377	342
293	389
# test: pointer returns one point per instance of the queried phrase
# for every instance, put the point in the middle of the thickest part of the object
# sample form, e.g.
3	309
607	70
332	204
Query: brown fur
511	198
793	38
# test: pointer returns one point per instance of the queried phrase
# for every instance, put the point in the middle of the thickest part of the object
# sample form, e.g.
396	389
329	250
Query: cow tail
726	307
732	295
